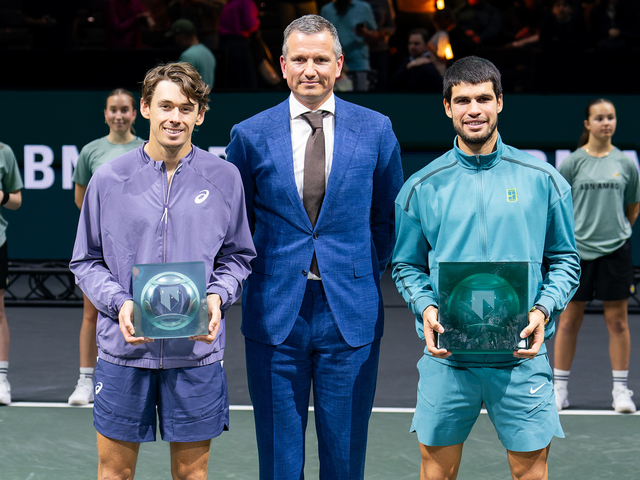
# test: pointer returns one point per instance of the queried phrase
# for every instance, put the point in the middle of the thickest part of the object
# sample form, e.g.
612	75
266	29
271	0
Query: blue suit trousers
343	378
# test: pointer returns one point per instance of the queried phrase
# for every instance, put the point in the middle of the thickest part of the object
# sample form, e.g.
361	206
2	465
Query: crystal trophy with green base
483	306
170	300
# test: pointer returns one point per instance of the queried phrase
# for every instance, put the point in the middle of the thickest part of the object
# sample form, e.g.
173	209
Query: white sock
620	378
4	369
86	372
561	377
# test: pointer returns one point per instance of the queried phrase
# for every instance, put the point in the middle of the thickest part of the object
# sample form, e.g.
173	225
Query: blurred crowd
389	45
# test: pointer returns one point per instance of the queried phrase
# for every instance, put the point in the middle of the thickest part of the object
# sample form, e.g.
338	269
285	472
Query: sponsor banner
49	128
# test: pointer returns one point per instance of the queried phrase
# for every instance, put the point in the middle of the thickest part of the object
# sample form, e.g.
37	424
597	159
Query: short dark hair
311	25
422	32
181	73
473	70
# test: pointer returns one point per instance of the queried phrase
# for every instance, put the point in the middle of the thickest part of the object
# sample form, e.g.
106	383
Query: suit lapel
345	137
279	143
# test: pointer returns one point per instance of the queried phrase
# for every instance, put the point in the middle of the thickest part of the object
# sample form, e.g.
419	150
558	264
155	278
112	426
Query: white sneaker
562	396
83	394
622	402
5	392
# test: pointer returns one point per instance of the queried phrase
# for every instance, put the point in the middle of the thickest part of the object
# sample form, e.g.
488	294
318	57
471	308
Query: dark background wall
44	228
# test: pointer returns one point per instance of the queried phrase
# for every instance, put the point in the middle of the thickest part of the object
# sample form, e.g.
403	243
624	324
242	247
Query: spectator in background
238	20
521	23
11	198
123	21
480	21
417	73
204	14
196	53
356	27
379	48
614	24
411	14
606	195
119	115
563	29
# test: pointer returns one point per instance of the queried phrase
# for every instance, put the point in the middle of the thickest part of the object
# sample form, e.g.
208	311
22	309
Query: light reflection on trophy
170	300
483	303
482	306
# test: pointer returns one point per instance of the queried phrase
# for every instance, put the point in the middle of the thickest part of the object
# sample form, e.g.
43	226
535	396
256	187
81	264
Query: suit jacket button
315	235
304	272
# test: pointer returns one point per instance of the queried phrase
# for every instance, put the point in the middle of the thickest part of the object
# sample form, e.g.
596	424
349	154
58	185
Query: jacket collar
296	108
160	165
479	161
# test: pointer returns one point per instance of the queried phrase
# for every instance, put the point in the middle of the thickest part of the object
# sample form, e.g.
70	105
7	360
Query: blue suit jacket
354	235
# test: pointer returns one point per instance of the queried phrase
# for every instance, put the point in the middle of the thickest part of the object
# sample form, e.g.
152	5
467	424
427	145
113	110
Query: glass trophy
483	306
170	300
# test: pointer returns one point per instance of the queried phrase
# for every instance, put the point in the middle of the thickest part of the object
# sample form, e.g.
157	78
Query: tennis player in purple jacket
167	201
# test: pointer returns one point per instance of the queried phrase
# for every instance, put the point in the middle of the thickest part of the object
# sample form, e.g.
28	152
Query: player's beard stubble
476	139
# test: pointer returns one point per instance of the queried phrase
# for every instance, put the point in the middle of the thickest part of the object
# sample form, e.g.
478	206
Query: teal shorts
519	399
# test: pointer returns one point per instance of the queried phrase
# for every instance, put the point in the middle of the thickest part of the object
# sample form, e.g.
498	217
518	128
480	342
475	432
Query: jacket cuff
421	305
224	295
117	301
548	303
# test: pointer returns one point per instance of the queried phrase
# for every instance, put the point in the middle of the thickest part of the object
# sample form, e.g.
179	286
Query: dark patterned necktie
314	166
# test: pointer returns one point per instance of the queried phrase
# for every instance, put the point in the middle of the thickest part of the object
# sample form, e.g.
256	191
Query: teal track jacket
503	207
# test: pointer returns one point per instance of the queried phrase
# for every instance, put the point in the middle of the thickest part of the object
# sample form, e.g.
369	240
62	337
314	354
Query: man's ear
339	65
144	109
200	119
447	108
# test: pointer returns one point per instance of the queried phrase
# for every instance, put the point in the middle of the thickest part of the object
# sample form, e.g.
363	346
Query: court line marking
375	409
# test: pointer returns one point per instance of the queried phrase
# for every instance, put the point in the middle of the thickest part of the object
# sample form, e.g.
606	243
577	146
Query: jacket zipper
165	218
481	212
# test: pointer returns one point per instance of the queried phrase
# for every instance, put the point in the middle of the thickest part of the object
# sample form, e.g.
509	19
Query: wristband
5	197
543	310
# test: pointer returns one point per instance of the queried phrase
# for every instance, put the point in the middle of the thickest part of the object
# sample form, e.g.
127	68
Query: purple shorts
192	403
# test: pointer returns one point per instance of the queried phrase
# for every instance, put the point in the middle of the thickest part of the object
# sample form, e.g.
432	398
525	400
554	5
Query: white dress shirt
300	131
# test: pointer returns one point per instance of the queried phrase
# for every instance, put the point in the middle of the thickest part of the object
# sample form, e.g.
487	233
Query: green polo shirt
601	187
10	180
95	153
202	60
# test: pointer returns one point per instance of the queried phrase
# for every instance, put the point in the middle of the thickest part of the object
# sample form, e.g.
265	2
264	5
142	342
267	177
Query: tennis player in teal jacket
484	201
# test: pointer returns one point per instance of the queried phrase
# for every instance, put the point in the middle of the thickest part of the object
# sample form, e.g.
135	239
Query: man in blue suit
320	177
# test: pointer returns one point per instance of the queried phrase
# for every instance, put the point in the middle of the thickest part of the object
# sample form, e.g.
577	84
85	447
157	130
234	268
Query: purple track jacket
131	215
